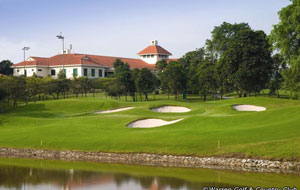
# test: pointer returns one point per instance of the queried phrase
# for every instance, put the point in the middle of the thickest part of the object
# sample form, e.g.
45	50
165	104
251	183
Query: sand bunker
115	110
151	123
171	109
249	108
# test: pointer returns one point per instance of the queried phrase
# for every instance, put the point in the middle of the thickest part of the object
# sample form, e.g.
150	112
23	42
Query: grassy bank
71	124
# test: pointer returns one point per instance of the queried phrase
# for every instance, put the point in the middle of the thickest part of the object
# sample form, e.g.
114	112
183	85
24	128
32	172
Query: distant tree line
20	88
132	83
126	82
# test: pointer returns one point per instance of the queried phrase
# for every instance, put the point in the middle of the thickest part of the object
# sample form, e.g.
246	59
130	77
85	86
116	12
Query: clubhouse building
92	66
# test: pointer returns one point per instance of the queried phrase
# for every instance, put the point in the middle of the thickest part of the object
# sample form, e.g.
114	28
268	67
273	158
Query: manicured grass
71	124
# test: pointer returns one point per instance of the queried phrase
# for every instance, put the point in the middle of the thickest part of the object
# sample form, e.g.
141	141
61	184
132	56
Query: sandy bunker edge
114	110
151	123
171	109
246	107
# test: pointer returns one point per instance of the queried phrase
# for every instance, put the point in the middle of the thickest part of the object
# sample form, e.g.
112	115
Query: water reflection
25	178
12	177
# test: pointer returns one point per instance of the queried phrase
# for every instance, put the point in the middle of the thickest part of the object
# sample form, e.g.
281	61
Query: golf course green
211	128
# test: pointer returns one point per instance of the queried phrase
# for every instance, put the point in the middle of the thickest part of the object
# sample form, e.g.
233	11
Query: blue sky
122	28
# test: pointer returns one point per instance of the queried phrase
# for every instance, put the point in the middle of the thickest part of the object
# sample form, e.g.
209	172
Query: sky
122	28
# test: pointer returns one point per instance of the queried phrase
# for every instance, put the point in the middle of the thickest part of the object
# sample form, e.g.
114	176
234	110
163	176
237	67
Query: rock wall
156	160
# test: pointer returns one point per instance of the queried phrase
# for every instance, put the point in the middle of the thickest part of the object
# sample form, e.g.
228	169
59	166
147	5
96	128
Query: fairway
71	124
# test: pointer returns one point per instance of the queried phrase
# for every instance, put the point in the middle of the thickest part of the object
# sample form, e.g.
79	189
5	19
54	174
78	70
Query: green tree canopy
145	82
222	35
123	75
191	62
5	67
175	77
33	86
206	78
286	38
248	60
286	34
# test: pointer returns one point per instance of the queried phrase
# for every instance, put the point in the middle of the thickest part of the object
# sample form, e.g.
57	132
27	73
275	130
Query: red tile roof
152	49
85	59
173	59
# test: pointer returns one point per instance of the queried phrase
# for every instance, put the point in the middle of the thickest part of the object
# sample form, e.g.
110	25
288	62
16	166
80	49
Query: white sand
115	110
249	108
227	98
171	109
151	123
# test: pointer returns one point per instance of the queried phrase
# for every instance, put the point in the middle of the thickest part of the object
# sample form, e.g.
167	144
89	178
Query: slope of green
71	124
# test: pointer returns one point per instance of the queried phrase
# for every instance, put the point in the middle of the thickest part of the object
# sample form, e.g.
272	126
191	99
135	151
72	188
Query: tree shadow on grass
33	110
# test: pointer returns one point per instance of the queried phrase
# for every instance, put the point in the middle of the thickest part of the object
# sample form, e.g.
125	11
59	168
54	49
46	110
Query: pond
24	174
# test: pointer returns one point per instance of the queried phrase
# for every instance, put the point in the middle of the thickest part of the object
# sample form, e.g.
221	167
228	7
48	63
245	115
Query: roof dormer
154	53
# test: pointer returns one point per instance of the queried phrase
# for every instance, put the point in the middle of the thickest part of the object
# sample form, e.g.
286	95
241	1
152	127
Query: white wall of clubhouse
152	59
82	71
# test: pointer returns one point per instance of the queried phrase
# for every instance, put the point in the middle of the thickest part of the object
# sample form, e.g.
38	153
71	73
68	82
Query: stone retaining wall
156	160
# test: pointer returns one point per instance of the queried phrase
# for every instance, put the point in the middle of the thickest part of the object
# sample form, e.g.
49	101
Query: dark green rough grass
71	124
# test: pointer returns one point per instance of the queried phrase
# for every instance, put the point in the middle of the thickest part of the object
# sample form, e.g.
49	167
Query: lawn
70	124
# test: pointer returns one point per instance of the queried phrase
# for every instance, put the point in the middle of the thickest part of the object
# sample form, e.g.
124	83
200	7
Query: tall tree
5	67
248	60
123	75
95	84
33	87
292	79
221	37
16	88
50	86
85	85
286	38
207	80
286	34
276	81
146	82
135	77
115	89
3	91
75	86
175	77
191	61
161	65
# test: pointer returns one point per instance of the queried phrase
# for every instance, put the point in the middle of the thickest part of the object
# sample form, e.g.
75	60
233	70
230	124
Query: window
109	74
93	72
40	69
18	70
100	73
52	72
85	72
152	56
144	56
65	71
75	72
32	69
148	56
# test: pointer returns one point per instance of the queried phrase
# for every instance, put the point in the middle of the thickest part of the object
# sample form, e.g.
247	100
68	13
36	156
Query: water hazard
22	174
